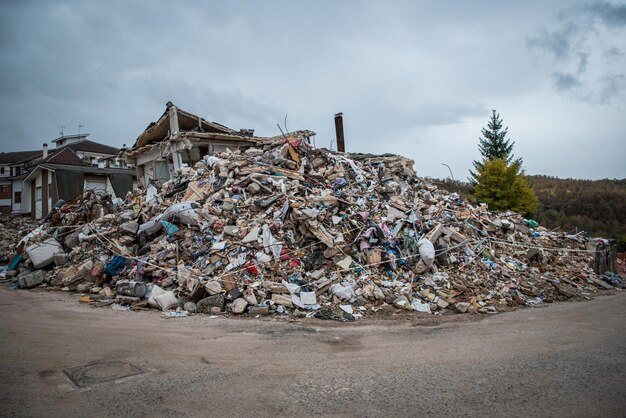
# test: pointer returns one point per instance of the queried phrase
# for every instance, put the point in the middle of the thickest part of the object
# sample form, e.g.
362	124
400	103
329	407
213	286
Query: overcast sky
413	78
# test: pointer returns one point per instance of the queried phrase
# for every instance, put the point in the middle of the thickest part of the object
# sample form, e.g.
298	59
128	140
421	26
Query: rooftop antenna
61	132
80	126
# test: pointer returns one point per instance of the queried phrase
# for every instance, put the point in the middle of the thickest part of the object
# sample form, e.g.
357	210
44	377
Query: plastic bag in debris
169	227
150	227
343	291
427	251
437	280
175	314
211	160
84	234
152	294
115	265
270	243
151	193
167	300
184	212
420	306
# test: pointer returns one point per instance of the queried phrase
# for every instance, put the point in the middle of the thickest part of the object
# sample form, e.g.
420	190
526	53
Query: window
49	191
38	193
18	197
18	171
1	170
4	189
95	185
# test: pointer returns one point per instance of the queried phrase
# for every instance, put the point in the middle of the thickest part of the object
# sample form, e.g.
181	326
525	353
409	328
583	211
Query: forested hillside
595	206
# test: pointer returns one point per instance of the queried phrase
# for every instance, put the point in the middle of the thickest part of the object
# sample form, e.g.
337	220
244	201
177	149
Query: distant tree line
498	179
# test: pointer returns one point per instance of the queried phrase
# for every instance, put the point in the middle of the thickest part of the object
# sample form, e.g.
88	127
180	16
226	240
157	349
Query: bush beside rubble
290	229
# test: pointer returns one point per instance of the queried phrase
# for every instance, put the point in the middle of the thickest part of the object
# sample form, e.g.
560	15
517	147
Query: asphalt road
61	358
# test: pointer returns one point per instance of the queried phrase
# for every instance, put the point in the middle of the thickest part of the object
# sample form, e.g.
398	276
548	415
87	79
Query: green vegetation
493	145
498	180
594	206
503	187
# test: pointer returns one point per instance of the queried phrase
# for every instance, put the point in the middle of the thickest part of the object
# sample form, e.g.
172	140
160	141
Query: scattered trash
175	314
288	229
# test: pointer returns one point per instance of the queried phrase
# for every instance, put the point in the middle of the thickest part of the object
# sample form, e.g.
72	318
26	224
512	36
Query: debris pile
287	228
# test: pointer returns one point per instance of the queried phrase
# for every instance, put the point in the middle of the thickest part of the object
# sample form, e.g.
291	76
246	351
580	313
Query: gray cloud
411	77
583	61
583	51
613	85
611	14
612	53
558	43
565	82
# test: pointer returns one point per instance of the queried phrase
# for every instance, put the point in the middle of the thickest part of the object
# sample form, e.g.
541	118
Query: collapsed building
181	138
225	222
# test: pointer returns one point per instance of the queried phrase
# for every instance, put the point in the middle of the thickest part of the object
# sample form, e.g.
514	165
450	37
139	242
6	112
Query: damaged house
179	139
75	165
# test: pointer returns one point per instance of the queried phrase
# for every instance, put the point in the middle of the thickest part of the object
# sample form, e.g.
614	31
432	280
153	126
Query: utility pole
451	175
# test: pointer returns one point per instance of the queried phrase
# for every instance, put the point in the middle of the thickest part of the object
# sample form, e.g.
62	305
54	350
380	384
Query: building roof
71	136
91	146
31	157
19	156
158	131
88	169
64	155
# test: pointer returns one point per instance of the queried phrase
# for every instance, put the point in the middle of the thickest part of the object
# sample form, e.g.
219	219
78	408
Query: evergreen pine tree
493	145
502	187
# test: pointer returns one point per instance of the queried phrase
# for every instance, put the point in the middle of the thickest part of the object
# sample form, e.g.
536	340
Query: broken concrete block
31	279
401	302
74	276
231	230
252	236
462	307
60	259
249	296
239	306
345	263
259	310
42	254
215	301
213	287
441	303
71	240
83	288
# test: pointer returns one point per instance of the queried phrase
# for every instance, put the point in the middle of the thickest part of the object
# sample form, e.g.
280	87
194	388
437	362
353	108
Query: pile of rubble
10	228
291	229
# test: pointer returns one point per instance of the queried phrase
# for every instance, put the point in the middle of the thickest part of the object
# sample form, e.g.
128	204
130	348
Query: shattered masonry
286	228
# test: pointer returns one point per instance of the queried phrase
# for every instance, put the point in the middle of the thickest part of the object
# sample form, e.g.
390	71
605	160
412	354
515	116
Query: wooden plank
435	233
601	283
454	236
